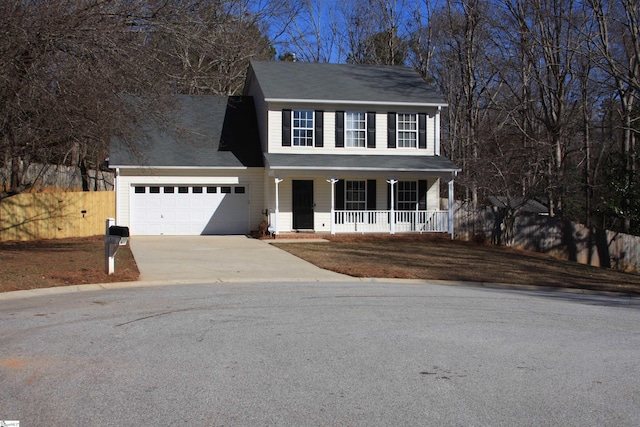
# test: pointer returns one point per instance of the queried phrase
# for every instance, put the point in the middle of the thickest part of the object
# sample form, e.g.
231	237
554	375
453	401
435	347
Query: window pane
140	189
303	128
355	195
225	190
212	190
355	129
169	189
239	190
154	190
407	195
407	130
183	189
197	190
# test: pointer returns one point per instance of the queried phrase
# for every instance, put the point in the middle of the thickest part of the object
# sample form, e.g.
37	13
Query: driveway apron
220	258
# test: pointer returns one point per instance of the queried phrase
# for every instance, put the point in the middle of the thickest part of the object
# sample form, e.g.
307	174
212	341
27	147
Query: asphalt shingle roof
194	131
360	162
303	81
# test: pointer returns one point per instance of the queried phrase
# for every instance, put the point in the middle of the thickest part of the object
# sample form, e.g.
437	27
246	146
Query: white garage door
189	210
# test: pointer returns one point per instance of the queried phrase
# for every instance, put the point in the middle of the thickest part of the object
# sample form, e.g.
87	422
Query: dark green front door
303	205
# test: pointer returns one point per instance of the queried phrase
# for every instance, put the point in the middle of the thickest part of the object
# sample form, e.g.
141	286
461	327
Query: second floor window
407	130
302	128
355	129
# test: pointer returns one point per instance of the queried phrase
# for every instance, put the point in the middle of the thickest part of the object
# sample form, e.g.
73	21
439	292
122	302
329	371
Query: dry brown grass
431	257
63	262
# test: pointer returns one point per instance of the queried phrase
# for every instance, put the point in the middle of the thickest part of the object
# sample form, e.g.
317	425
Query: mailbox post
114	237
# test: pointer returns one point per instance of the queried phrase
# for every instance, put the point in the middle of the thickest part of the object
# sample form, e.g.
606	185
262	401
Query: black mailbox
116	230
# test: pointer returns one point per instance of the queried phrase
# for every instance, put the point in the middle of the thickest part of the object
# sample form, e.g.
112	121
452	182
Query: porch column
451	206
393	212
333	181
275	219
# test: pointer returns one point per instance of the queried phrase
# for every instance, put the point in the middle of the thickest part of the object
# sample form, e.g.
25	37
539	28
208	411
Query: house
309	147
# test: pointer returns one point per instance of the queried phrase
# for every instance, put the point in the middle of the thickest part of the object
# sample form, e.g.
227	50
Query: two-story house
309	147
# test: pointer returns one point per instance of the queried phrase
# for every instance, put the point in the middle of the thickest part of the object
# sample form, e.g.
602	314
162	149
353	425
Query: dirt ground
48	263
432	257
64	262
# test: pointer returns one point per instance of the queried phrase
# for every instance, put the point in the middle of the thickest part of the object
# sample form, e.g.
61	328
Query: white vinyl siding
275	132
251	179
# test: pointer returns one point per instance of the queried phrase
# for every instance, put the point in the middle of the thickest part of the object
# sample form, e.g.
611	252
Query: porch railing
380	221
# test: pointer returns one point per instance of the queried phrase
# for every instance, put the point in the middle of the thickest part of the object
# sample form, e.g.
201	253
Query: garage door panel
228	216
172	211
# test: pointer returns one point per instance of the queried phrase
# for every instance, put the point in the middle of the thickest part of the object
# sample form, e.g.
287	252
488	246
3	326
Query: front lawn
430	257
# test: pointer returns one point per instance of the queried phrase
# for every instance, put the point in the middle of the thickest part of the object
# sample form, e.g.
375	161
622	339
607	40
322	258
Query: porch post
451	206
333	181
275	219
393	213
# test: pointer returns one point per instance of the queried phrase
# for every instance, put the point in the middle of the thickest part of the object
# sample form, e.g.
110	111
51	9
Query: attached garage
198	170
186	210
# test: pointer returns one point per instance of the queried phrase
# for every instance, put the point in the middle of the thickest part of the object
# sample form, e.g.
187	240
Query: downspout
115	188
436	130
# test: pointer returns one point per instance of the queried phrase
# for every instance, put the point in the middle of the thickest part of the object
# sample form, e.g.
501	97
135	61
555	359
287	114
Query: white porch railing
380	221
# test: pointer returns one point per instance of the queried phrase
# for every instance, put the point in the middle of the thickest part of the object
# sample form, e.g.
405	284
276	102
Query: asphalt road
330	354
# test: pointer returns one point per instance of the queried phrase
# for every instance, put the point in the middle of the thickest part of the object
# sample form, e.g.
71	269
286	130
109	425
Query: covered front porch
387	221
369	194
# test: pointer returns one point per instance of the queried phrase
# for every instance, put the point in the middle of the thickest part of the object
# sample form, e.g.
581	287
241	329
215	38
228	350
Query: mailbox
119	233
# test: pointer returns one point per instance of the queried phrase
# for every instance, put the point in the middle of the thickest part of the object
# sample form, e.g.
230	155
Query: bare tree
204	47
316	34
376	32
63	64
618	44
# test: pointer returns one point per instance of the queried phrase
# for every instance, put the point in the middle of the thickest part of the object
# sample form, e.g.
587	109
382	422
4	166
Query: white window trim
346	129
398	130
312	128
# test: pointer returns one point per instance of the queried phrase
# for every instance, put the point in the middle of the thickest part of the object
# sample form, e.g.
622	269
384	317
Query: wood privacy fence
560	238
55	215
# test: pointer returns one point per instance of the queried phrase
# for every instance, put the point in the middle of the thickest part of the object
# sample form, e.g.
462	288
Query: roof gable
376	84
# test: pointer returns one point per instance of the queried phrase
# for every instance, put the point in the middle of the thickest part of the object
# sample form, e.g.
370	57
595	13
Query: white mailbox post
114	237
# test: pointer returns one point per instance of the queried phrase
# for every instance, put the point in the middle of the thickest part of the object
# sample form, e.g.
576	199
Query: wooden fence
55	215
560	238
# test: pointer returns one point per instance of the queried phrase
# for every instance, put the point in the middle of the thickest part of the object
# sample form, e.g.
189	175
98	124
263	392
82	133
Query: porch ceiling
365	163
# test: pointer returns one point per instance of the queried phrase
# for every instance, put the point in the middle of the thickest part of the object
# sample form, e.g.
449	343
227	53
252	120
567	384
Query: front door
303	205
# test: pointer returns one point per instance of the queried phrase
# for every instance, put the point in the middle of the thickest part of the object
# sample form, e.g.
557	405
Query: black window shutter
389	196
422	194
371	130
339	129
422	130
339	202
319	123
286	128
391	130
371	194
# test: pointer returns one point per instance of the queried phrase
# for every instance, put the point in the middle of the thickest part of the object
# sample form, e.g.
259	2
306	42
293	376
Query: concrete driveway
220	259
